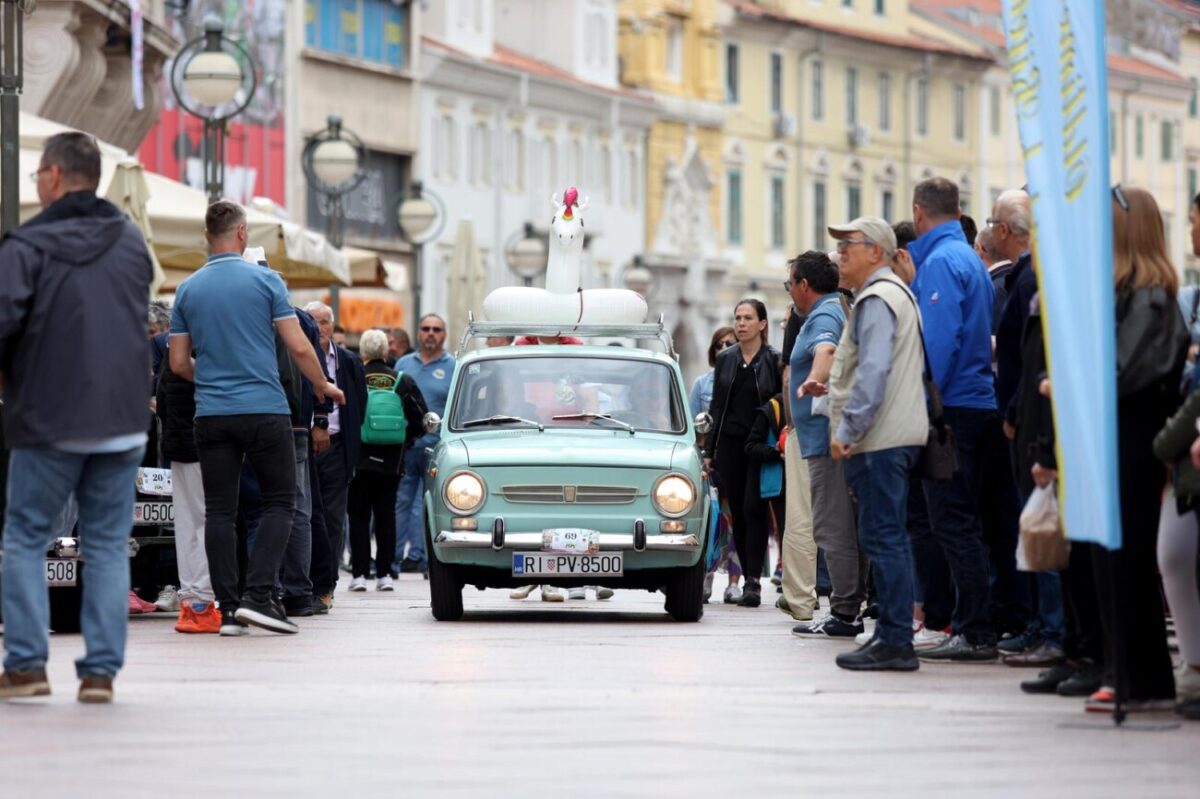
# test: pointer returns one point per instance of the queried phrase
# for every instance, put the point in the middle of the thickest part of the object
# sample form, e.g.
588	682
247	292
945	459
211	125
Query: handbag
939	457
770	475
1042	544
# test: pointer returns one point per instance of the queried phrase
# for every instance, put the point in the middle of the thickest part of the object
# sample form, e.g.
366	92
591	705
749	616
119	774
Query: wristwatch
321	422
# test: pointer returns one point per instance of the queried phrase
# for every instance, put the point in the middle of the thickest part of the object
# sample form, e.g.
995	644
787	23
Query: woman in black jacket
377	475
746	377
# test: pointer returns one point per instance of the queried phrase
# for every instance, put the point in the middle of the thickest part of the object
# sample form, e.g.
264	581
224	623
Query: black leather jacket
767	378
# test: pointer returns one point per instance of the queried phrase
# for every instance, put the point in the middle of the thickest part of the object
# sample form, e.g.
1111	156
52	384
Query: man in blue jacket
956	297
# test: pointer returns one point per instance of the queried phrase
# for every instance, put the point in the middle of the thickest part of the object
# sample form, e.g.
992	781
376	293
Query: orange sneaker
207	620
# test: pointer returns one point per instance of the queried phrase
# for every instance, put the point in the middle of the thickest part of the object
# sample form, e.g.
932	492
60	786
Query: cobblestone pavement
592	699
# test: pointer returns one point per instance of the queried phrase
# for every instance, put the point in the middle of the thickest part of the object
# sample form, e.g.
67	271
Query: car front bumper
685	542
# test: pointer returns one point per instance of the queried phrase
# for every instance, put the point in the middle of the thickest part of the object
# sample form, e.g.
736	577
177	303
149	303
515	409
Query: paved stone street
580	699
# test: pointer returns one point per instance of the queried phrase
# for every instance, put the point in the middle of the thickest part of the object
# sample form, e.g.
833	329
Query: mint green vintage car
570	466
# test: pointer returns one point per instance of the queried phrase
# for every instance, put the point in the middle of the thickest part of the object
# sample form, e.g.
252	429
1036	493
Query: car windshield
569	392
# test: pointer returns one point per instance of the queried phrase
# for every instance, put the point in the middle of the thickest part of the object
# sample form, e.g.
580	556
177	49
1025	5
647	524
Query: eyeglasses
433	330
787	285
845	244
33	176
726	344
1120	197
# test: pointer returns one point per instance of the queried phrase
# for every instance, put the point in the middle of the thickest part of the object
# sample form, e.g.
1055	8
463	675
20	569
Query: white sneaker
522	592
928	639
864	638
577	593
1187	683
358	584
168	600
551	594
604	593
384	583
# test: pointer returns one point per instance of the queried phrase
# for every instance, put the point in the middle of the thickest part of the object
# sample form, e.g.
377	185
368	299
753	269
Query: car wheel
685	593
445	589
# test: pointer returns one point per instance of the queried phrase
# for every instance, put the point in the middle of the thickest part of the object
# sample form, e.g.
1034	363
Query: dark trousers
954	520
932	586
334	481
749	534
321	553
1081	607
1000	511
265	441
372	495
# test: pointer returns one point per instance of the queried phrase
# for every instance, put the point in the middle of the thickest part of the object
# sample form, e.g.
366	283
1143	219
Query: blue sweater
956	296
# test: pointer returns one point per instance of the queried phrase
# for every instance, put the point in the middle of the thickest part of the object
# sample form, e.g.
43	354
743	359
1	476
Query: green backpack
384	422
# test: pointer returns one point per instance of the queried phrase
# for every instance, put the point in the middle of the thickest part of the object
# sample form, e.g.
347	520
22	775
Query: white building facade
511	113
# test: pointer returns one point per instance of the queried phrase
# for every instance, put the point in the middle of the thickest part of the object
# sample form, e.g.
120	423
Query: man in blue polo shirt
956	296
431	367
227	314
814	283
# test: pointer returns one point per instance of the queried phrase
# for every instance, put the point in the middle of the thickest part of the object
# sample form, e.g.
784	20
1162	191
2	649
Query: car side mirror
433	422
704	423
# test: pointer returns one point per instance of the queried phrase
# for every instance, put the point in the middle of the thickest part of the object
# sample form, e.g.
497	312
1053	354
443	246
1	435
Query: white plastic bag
1042	546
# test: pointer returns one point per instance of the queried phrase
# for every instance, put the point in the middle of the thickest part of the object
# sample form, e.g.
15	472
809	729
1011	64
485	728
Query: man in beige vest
879	424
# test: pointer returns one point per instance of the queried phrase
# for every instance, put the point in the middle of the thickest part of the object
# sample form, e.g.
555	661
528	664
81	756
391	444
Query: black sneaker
230	624
1189	710
268	615
1017	644
298	606
956	649
878	656
752	594
832	625
410	566
1048	681
1084	682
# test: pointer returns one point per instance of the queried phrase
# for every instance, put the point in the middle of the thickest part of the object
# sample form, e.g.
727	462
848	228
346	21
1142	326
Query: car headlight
673	495
464	492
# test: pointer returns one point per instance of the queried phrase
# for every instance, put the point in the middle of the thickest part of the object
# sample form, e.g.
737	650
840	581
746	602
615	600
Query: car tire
685	593
445	589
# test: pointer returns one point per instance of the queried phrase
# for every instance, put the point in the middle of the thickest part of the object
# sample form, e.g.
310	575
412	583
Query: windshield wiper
501	419
594	416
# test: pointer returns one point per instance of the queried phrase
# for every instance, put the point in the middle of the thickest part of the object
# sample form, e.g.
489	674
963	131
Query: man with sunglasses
431	367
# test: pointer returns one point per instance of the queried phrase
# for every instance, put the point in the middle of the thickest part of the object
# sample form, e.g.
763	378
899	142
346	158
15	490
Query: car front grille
560	494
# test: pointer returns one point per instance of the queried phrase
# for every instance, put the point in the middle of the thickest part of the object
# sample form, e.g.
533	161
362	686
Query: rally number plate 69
530	564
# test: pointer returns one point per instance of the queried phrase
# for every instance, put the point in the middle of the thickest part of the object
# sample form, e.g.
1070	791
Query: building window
854	201
576	164
481	154
733	208
922	106
851	96
818	90
1194	101
606	167
960	112
777	217
847	3
1138	136
445	150
1168	140
776	83
675	50
516	160
373	30
887	204
1192	185
819	225
880	8
548	164
631	178
731	74
885	101
994	102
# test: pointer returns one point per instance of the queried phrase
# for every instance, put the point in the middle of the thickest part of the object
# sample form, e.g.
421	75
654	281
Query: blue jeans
410	502
40	479
957	527
1049	622
879	481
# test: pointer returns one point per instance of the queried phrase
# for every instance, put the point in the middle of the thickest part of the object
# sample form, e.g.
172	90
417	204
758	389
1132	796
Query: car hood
531	448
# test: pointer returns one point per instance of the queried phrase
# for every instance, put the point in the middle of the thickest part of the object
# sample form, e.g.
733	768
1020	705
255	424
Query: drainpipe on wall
924	72
800	119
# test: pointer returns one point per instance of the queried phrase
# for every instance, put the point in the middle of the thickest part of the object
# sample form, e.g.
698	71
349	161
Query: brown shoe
14	684
1041	655
96	690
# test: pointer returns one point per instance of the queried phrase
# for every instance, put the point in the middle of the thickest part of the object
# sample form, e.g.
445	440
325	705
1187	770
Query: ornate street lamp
333	162
421	215
526	254
12	80
210	69
637	277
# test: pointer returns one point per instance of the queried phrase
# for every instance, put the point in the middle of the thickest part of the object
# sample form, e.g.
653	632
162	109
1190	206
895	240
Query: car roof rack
646	330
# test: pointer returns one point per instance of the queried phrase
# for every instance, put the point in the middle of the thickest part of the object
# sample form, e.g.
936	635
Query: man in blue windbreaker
956	297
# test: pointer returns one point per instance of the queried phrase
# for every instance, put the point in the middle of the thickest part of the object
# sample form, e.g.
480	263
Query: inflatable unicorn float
564	301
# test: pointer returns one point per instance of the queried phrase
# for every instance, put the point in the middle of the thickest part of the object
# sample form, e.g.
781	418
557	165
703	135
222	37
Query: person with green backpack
393	419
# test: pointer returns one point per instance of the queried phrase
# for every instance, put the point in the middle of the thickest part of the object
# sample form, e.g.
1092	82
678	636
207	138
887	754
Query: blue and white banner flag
1056	56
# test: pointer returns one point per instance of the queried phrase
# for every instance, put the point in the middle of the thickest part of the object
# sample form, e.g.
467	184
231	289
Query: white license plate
528	564
153	513
62	572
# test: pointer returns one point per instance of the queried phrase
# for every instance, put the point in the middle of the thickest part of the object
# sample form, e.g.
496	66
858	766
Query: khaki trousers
799	548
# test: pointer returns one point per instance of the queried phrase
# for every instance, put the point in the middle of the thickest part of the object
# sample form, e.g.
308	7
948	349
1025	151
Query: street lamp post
526	254
334	162
637	277
210	69
421	215
12	78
